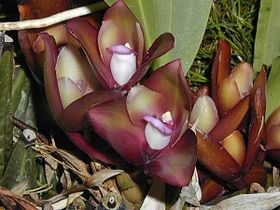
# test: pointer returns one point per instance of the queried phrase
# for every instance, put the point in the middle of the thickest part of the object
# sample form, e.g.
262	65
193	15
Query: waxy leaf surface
267	40
6	130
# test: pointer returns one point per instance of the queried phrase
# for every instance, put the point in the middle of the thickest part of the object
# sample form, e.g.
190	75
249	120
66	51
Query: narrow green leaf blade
22	98
273	88
185	19
189	20
21	166
6	131
267	43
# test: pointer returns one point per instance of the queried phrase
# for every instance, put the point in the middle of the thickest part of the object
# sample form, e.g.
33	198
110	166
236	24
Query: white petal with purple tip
158	124
123	66
155	138
120	49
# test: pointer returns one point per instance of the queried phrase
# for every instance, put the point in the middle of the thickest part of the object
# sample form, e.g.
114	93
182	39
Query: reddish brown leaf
215	158
274	153
260	81
211	190
230	121
257	174
256	132
221	67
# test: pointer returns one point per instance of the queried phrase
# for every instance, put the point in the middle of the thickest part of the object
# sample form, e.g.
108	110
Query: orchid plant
109	80
95	77
230	126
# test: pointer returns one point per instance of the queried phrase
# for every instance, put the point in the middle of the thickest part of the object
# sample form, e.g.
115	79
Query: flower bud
243	76
235	87
204	115
228	94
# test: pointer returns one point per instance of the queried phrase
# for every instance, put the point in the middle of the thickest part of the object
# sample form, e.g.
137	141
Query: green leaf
6	130
273	88
267	43
22	98
185	19
21	167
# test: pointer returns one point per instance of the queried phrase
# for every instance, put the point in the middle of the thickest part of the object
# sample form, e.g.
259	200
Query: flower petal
68	91
73	65
175	165
29	55
112	123
142	101
50	79
88	149
161	45
155	138
123	67
112	31
230	121
120	49
32	9
158	124
170	82
73	116
87	34
59	33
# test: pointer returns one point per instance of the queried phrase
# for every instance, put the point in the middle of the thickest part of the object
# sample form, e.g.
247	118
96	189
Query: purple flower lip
158	124
120	49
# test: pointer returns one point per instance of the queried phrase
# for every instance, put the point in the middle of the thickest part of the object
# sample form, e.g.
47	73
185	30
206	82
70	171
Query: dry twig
54	19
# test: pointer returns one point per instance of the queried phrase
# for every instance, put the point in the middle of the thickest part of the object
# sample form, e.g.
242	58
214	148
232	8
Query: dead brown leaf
12	200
